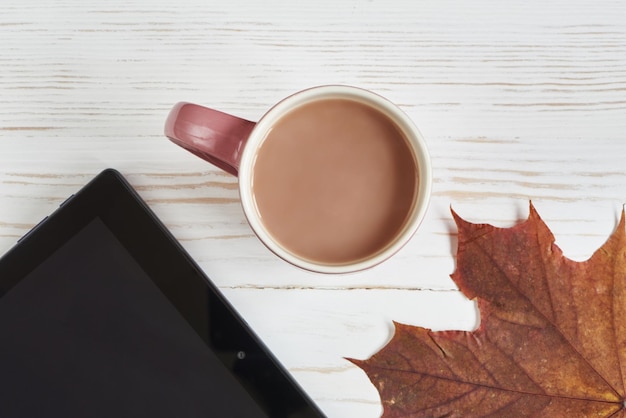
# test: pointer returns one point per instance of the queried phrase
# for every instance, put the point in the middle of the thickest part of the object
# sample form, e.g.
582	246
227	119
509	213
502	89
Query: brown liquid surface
334	181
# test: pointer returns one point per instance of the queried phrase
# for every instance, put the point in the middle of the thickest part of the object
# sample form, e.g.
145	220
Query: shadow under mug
332	179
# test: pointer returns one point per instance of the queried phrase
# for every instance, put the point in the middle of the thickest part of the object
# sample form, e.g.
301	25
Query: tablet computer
103	314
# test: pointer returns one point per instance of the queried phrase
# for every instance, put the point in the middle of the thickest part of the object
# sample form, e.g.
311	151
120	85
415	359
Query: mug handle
214	136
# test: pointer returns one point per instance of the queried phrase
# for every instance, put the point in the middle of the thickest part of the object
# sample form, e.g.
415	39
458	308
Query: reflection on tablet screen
88	334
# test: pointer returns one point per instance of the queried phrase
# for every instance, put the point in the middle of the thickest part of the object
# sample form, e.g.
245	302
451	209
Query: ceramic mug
332	179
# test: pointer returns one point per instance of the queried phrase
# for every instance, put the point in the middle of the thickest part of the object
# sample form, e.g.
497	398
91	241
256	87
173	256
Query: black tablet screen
88	334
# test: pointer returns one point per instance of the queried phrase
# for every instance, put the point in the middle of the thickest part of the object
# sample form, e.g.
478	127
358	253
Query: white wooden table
517	100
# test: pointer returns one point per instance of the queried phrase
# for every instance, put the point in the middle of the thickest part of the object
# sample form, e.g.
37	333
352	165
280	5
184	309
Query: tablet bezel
112	199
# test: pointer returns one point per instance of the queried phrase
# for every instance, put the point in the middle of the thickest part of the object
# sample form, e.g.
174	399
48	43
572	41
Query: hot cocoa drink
334	181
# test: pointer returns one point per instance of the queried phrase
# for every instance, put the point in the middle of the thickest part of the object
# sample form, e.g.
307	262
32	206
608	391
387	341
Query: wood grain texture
518	100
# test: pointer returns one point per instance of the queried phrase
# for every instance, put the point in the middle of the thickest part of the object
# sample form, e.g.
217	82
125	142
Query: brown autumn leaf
551	342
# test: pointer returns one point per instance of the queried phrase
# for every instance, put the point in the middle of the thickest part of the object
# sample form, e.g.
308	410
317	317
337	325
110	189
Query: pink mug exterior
214	136
230	143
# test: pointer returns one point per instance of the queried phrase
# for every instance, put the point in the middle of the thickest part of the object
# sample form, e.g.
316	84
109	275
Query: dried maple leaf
551	342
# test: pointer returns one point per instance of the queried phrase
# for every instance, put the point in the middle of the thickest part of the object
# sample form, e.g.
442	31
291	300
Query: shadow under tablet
103	314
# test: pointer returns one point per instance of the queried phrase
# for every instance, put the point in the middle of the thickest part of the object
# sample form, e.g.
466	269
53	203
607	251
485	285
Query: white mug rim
409	130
